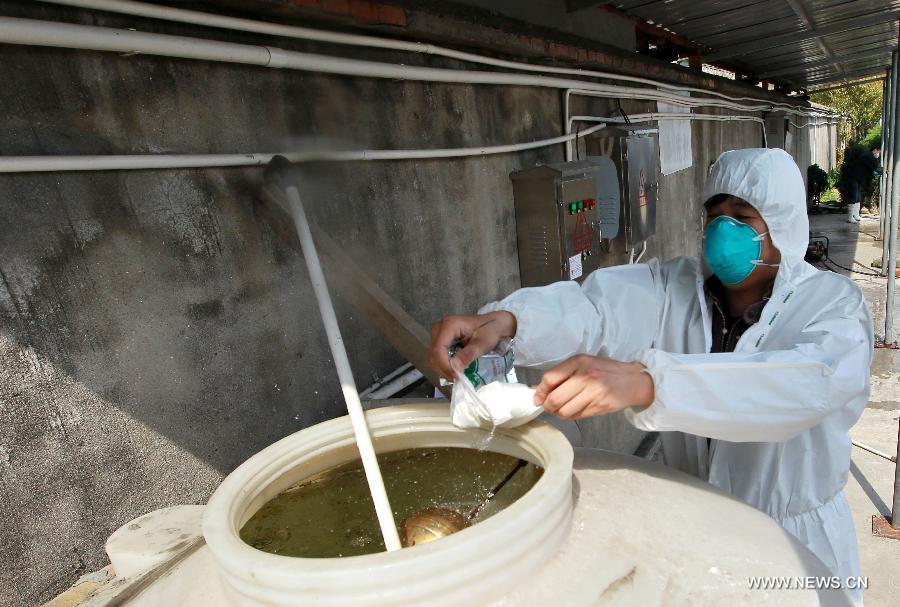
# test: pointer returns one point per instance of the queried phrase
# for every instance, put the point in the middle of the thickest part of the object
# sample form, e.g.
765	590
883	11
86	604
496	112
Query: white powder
498	404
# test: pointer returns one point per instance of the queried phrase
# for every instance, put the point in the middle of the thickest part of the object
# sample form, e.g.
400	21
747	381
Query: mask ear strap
760	262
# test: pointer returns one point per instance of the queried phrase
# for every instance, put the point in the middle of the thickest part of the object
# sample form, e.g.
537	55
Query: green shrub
872	138
816	182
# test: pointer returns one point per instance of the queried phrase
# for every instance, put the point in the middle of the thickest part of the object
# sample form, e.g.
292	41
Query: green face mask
732	249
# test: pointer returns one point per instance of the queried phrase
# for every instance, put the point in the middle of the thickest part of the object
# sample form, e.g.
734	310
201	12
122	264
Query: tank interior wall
154	330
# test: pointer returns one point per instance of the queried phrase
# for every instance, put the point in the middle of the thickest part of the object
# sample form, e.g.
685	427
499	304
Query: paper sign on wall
675	151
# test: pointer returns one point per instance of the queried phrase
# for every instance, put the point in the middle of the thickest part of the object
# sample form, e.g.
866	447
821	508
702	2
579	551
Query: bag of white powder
494	405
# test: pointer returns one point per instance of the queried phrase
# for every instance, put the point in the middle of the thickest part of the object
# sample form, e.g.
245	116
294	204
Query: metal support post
892	269
880	525
891	236
885	113
895	509
888	163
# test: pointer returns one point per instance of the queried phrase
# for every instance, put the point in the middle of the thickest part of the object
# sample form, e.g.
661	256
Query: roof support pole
892	270
890	239
887	137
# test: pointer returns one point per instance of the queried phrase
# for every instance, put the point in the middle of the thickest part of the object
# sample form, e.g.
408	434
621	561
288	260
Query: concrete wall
154	332
590	25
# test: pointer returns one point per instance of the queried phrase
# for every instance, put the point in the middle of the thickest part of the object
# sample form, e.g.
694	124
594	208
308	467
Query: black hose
834	263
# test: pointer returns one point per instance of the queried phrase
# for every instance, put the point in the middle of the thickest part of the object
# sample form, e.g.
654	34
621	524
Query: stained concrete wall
587	24
154	331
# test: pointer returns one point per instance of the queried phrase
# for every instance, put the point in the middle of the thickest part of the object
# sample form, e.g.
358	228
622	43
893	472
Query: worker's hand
479	333
584	386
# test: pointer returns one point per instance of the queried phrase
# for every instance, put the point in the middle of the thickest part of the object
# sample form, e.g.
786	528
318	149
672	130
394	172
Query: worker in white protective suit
753	376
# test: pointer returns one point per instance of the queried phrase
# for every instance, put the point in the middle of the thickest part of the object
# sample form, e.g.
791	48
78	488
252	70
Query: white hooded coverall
778	408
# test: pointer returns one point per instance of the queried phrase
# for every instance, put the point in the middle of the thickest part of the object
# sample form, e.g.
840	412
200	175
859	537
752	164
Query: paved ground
870	487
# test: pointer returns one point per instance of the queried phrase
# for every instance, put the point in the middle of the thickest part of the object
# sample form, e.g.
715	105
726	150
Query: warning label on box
575	269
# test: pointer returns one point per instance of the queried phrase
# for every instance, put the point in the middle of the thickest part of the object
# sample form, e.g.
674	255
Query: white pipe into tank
345	374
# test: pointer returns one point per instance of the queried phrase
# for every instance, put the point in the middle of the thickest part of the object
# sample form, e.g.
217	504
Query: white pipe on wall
43	33
33	32
180	15
815	124
391	388
30	164
641	255
687	101
650	117
401	370
653	116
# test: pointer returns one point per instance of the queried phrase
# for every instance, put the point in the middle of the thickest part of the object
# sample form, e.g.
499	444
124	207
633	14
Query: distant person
861	172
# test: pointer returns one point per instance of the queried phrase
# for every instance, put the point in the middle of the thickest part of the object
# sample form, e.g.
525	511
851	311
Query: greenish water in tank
332	514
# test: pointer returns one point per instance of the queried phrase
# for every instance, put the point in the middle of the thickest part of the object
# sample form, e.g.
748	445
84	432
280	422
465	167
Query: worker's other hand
584	386
479	333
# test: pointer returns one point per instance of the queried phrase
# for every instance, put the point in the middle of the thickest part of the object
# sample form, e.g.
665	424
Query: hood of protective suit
772	183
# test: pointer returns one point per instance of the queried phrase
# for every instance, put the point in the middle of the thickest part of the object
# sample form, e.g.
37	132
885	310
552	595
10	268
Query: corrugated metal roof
799	43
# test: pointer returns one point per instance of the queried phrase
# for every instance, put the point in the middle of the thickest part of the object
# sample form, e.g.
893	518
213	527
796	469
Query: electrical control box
636	157
641	162
562	211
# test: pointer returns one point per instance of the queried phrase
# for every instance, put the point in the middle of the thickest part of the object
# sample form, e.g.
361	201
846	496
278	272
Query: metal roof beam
876	18
834	78
799	68
846	85
800	10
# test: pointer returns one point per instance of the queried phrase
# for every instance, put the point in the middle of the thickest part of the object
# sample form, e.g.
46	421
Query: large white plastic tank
597	529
